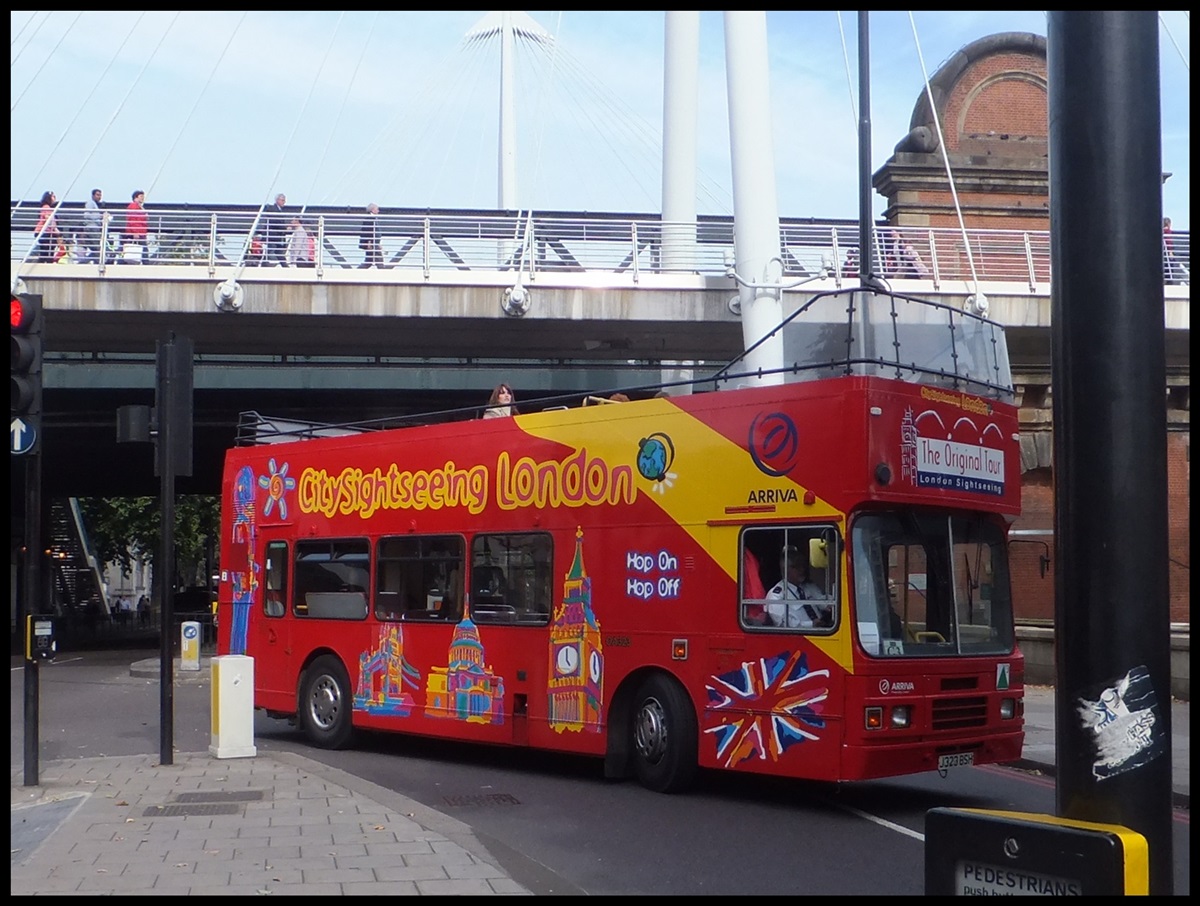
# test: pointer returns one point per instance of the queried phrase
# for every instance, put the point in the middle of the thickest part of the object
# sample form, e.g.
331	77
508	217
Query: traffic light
25	360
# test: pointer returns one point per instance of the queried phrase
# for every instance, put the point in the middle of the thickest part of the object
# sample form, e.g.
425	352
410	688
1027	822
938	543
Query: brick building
990	101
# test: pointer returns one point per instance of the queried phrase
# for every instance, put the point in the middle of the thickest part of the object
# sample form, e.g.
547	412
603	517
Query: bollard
233	707
189	649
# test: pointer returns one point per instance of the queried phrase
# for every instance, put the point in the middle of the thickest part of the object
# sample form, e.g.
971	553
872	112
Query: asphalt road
554	823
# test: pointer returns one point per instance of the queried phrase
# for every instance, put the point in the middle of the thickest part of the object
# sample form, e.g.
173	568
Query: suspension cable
20	31
342	107
79	111
49	56
846	60
546	84
196	103
945	157
87	158
45	19
1178	50
446	70
241	265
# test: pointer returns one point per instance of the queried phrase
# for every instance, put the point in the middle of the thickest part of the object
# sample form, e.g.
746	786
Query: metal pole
31	595
1111	607
164	569
865	217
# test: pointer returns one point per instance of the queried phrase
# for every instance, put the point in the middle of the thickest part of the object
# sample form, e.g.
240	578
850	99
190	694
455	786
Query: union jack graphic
781	686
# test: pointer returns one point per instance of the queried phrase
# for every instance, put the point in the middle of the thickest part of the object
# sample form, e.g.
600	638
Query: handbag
131	253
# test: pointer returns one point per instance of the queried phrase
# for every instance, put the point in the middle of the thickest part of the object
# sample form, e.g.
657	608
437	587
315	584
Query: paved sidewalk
273	824
279	824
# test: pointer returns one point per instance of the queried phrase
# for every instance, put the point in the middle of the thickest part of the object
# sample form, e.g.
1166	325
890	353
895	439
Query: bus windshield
931	585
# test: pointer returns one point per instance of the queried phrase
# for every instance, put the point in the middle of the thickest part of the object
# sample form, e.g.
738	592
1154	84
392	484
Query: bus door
270	626
511	586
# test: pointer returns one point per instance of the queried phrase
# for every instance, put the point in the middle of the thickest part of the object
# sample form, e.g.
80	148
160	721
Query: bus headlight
901	716
1008	708
873	718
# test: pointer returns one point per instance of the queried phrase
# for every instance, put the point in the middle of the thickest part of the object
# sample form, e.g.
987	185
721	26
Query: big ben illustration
576	687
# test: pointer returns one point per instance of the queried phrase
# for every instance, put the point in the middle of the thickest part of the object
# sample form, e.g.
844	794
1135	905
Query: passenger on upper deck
500	403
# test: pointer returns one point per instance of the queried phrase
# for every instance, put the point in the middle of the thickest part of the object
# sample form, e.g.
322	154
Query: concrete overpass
339	342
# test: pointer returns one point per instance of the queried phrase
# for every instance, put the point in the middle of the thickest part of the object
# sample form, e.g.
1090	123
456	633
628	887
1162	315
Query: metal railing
226	241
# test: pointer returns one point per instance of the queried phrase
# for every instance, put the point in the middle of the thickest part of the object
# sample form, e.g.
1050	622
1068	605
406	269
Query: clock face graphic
594	665
567	660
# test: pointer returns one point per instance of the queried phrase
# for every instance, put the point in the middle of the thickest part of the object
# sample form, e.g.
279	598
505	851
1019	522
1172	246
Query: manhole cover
485	799
217	796
198	810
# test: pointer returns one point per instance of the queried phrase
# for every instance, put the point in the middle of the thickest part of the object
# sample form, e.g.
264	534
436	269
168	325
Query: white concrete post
755	206
681	72
508	119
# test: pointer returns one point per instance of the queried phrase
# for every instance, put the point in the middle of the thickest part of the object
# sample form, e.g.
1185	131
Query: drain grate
198	810
217	796
486	799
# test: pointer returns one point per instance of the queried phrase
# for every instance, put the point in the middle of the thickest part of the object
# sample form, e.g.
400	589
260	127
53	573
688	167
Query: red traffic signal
24	312
25	360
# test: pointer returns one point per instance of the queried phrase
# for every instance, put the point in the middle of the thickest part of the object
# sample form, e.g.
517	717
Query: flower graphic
276	485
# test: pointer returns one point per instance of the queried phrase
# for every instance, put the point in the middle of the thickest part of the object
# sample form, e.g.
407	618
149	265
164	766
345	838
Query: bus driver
795	586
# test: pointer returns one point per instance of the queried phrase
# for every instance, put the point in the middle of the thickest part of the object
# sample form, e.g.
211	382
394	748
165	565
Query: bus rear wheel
325	703
665	737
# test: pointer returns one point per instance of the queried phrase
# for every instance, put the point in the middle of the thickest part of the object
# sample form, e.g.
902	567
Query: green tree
124	529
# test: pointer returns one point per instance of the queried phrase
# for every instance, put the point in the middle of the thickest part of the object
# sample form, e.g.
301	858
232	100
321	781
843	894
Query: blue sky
345	108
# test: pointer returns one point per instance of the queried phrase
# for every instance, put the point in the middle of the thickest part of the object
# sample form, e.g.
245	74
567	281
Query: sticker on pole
1125	726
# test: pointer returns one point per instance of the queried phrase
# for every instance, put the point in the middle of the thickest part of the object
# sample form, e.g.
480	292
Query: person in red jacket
137	226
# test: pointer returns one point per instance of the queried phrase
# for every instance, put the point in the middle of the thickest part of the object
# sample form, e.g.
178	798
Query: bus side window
329	567
388	587
419	577
511	577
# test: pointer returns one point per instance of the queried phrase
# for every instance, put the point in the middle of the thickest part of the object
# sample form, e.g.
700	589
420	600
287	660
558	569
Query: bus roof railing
838	333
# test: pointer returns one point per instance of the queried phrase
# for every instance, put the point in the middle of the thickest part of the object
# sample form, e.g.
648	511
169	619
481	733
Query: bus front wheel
325	703
664	736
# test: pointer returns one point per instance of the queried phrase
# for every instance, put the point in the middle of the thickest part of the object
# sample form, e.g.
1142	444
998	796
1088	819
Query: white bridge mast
508	25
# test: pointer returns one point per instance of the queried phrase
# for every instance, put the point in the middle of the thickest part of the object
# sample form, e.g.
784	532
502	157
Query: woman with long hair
500	403
47	231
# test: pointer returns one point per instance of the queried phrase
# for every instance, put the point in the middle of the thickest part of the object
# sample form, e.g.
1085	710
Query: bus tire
665	737
326	703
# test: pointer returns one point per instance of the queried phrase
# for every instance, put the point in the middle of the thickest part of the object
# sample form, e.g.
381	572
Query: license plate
957	760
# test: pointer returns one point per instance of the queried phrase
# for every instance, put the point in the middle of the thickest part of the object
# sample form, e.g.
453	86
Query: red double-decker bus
806	578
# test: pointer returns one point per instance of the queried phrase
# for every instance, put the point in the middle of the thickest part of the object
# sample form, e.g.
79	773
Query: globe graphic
652	459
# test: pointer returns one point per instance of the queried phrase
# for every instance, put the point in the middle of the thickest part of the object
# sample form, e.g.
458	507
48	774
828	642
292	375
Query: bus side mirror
818	557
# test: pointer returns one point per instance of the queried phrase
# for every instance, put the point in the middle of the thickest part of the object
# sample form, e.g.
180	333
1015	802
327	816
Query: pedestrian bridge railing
437	244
